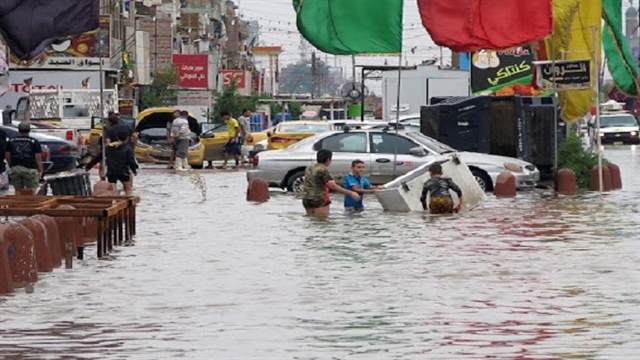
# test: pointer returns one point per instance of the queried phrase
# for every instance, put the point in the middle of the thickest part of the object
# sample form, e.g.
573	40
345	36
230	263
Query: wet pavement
538	277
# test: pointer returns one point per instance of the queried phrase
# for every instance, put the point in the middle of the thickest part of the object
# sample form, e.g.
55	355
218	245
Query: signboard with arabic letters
563	75
498	72
193	71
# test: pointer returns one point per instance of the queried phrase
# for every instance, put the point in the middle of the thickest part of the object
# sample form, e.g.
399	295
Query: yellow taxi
288	133
152	146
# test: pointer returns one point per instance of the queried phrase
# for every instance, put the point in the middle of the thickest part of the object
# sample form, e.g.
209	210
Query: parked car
285	168
620	127
60	155
288	133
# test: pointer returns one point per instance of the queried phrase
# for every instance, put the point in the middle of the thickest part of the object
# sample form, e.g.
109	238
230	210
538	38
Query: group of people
318	183
179	136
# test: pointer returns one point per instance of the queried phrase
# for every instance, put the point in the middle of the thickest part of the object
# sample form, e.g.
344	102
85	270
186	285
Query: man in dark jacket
121	163
24	155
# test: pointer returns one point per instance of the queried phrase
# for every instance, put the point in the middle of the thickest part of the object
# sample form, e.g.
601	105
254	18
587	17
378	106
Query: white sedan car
285	168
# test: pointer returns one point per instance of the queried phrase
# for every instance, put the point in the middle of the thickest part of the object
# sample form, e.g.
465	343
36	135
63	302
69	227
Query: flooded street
537	277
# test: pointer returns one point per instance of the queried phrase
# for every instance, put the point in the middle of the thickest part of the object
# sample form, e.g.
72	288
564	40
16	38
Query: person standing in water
181	132
317	185
440	201
356	181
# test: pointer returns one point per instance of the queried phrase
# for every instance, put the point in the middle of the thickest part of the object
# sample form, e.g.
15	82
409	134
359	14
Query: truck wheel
483	179
295	183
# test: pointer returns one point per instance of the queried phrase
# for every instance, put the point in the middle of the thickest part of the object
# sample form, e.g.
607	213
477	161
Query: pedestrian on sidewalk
24	155
121	163
181	133
232	147
317	185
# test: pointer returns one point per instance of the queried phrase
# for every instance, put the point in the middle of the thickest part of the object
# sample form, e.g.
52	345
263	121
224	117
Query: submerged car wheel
482	178
295	183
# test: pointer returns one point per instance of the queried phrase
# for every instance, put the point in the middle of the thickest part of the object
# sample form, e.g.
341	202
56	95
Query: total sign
46	79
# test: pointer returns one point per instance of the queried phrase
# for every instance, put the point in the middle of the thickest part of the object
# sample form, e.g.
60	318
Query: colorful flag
29	26
348	27
472	25
620	61
576	36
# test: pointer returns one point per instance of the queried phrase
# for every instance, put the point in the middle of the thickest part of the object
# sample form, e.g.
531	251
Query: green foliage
572	155
161	92
229	100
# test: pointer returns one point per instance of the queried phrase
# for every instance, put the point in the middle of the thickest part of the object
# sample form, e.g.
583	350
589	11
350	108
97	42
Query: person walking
317	185
245	130
437	187
24	155
171	140
232	147
181	133
121	162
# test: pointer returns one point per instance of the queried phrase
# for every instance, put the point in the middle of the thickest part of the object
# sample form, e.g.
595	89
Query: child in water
356	181
438	188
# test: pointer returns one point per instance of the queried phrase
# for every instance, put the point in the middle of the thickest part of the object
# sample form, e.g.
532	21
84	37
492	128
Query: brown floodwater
536	277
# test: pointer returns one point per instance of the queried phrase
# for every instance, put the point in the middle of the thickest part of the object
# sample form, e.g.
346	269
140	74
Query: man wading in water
317	183
438	189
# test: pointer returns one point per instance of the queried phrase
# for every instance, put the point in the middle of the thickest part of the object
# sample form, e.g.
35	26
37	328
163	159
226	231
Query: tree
298	79
230	101
162	91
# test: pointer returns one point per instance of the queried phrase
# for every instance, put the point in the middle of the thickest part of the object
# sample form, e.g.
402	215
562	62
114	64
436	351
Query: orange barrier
6	281
53	238
22	258
616	176
566	182
505	185
258	191
594	181
42	249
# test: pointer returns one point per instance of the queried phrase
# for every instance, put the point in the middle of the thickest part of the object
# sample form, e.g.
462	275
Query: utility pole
314	74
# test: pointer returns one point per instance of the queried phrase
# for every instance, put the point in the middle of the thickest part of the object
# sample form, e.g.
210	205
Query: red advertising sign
192	71
229	75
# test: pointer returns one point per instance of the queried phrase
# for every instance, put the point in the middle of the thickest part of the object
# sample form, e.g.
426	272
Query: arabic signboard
79	52
229	75
493	71
563	75
192	71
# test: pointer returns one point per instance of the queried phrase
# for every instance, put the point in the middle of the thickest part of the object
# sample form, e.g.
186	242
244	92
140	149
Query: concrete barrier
616	176
22	257
42	248
566	182
53	238
6	281
258	191
594	181
505	185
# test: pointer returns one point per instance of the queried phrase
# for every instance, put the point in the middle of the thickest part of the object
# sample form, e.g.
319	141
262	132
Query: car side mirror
268	134
418	151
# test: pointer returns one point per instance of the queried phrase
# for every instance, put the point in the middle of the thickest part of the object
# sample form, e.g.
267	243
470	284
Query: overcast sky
277	23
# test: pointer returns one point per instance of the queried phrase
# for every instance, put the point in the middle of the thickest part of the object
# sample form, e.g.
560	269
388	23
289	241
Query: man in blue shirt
358	183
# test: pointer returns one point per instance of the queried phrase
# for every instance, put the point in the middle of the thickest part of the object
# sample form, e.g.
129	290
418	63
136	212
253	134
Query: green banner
620	61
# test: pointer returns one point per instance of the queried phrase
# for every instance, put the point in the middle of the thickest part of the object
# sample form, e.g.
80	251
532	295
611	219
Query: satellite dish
353	91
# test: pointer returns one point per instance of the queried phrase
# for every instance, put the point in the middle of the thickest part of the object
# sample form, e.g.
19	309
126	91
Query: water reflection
538	277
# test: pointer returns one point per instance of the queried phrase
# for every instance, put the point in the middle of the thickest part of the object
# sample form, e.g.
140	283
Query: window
383	143
345	142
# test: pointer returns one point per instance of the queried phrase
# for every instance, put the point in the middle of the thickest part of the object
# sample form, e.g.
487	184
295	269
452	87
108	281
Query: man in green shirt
317	184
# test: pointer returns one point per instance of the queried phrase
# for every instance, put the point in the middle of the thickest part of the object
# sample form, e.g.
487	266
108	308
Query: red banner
229	75
192	71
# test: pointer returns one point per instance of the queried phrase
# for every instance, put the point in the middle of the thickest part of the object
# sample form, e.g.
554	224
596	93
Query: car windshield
303	128
430	143
618	120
